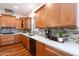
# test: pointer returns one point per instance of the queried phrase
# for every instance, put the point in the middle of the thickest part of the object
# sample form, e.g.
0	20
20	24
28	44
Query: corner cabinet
56	15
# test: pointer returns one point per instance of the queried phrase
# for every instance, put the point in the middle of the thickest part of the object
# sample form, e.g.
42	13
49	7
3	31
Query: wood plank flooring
14	50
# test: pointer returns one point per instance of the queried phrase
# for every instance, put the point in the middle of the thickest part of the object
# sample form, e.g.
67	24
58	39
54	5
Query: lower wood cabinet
18	38
39	48
49	51
45	50
25	41
7	39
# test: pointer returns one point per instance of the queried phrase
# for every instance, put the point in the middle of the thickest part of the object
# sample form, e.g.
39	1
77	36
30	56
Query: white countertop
67	46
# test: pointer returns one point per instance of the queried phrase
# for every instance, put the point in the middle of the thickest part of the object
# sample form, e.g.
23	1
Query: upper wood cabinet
52	14
7	21
0	21
67	14
40	18
27	23
56	15
23	23
18	24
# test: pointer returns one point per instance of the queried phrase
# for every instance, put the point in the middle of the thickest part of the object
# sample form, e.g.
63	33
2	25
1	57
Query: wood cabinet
7	20
25	41
39	49
18	24
0	21
50	51
52	14
23	23
7	39
67	14
56	15
17	38
40	18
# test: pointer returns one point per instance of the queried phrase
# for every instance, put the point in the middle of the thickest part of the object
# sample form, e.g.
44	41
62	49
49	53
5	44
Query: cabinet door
37	20
67	14
25	21
52	14
41	18
25	41
47	16
0	21
18	24
7	39
29	20
7	21
39	49
18	38
50	51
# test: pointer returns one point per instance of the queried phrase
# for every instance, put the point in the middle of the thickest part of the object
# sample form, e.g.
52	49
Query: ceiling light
16	7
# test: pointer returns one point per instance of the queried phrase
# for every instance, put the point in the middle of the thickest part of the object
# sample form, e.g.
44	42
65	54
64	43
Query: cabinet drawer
7	42
7	37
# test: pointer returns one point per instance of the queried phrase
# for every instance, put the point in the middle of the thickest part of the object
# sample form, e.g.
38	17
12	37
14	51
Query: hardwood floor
14	50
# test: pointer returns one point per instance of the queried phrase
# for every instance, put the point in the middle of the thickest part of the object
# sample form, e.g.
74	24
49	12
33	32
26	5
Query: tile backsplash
69	32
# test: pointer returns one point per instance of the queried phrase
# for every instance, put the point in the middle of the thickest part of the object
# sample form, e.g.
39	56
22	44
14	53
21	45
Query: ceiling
21	8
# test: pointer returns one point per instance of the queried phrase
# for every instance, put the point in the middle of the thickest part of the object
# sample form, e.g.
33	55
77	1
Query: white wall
32	14
78	15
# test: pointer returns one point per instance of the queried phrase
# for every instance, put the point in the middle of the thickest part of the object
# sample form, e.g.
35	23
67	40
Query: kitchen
39	29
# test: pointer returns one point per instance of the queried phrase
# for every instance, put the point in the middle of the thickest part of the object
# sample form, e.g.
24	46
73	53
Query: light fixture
16	7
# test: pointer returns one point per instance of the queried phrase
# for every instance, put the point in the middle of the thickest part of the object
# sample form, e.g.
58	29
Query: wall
78	15
32	14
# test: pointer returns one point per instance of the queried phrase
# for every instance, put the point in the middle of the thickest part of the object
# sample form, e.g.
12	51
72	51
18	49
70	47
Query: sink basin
31	35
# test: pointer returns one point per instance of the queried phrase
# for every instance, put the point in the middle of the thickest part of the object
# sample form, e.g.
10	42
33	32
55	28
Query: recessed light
16	7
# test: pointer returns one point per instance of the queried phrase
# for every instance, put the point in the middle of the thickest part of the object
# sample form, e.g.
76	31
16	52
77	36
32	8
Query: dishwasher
33	47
